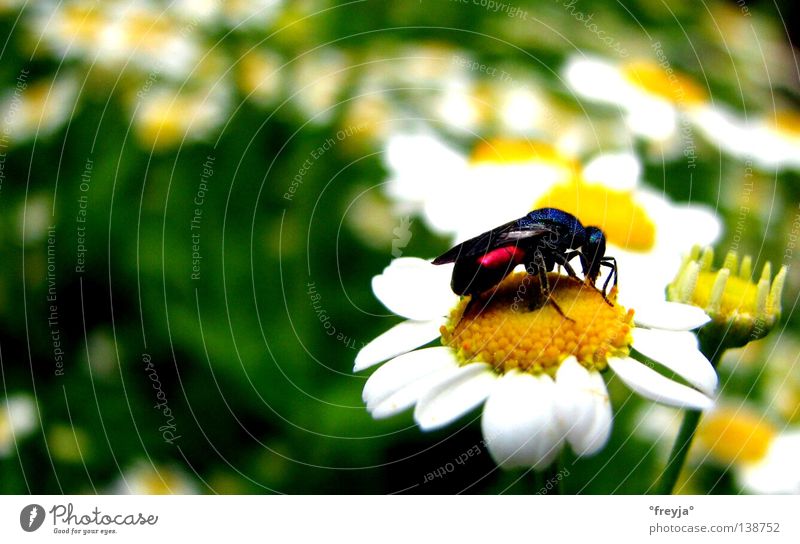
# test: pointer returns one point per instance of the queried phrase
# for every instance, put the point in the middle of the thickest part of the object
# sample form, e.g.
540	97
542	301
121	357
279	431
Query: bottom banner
348	519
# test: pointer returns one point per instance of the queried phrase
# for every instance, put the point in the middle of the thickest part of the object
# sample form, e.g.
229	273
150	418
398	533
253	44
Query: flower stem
677	457
562	472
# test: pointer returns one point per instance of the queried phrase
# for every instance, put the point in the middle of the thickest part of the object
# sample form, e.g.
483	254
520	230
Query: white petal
415	289
596	79
420	163
704	227
400	339
584	407
670	316
678	352
575	407
618	171
652	385
597	437
519	421
405	369
401	382
778	472
449	400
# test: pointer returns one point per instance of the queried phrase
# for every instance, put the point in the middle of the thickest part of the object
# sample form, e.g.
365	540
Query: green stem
562	472
677	457
680	450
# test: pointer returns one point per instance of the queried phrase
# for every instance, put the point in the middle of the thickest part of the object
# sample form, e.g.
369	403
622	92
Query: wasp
540	240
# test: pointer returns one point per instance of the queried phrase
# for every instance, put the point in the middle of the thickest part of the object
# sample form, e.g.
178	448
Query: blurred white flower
143	478
260	76
17	420
464	196
166	118
318	79
34	217
247	14
116	33
652	96
771	142
505	179
761	455
37	109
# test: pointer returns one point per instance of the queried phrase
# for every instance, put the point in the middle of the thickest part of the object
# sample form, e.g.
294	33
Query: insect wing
512	233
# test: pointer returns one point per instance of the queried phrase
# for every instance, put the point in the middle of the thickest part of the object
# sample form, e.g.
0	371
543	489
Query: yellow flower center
788	123
513	328
624	221
160	482
667	84
504	151
732	436
738	298
81	23
259	74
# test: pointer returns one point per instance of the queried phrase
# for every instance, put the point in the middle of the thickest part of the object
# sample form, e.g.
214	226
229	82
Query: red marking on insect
502	256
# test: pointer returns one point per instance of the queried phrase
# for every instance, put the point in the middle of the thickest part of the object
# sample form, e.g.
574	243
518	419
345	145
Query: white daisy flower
318	79
761	455
538	374
38	109
144	478
651	96
17	420
459	106
464	196
165	118
249	14
34	218
770	142
259	76
115	34
505	179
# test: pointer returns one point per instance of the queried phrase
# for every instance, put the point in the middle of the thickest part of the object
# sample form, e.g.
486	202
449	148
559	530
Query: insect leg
564	259
544	285
611	263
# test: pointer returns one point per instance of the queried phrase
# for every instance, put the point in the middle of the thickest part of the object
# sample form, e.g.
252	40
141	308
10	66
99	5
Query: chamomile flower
651	96
505	179
115	34
249	14
38	109
763	456
770	142
538	373
144	478
259	76
760	453
741	309
164	118
319	79
463	196
17	420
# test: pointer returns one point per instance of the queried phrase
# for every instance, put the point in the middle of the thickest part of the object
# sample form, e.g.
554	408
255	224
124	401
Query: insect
540	240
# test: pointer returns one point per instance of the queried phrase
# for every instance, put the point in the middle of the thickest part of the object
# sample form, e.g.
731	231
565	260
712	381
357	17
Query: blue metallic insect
540	240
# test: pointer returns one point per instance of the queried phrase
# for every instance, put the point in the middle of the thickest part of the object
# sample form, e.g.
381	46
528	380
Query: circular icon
31	517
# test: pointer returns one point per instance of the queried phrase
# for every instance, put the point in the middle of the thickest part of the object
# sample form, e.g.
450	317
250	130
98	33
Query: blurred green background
189	352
